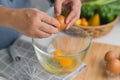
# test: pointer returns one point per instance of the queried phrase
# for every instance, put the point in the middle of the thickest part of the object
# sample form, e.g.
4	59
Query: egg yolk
64	62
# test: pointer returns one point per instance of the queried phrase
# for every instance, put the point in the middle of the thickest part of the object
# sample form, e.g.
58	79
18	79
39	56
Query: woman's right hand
33	22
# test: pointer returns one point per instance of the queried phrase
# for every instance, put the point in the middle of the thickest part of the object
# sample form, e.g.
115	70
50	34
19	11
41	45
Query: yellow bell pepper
95	20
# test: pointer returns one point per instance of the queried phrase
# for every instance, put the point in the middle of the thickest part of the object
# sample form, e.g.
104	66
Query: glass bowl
63	52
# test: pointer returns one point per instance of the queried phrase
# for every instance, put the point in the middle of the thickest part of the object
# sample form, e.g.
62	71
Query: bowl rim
101	26
77	54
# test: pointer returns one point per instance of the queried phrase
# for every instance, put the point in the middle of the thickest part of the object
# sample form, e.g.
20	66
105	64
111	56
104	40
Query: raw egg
113	67
110	55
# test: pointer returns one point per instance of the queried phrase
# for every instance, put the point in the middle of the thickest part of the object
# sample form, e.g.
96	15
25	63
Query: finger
73	16
48	28
58	7
50	20
71	22
41	34
75	13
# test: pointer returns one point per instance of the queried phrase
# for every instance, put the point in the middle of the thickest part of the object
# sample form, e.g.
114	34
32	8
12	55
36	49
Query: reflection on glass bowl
65	52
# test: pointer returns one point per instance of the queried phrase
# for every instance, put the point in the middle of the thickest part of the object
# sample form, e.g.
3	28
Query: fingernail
67	21
58	25
68	27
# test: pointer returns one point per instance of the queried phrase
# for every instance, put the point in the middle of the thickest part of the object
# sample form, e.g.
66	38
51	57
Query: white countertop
112	38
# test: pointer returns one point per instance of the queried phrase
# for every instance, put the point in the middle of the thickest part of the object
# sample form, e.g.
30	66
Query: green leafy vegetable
87	11
114	4
106	14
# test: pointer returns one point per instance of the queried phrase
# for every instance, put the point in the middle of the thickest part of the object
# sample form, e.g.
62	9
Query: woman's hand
74	8
33	22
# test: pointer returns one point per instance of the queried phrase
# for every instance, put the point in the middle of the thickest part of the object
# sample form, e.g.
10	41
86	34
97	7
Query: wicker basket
98	31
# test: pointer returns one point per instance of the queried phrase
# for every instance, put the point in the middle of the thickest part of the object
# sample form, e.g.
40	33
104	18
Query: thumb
58	7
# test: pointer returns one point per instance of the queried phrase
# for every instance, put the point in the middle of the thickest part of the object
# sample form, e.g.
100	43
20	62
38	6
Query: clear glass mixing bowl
72	43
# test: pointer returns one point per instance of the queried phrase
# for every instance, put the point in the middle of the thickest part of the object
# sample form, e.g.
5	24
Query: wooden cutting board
95	63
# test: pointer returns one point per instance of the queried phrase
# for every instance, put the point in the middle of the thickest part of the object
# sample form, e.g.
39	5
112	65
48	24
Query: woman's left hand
74	7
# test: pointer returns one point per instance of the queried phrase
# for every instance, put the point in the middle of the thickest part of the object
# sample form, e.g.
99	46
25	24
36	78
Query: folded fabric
2	78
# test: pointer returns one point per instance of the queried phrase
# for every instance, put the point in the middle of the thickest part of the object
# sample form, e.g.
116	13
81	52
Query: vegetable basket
99	31
105	9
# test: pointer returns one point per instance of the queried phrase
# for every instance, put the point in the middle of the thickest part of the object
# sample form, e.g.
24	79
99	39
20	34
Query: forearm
5	14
